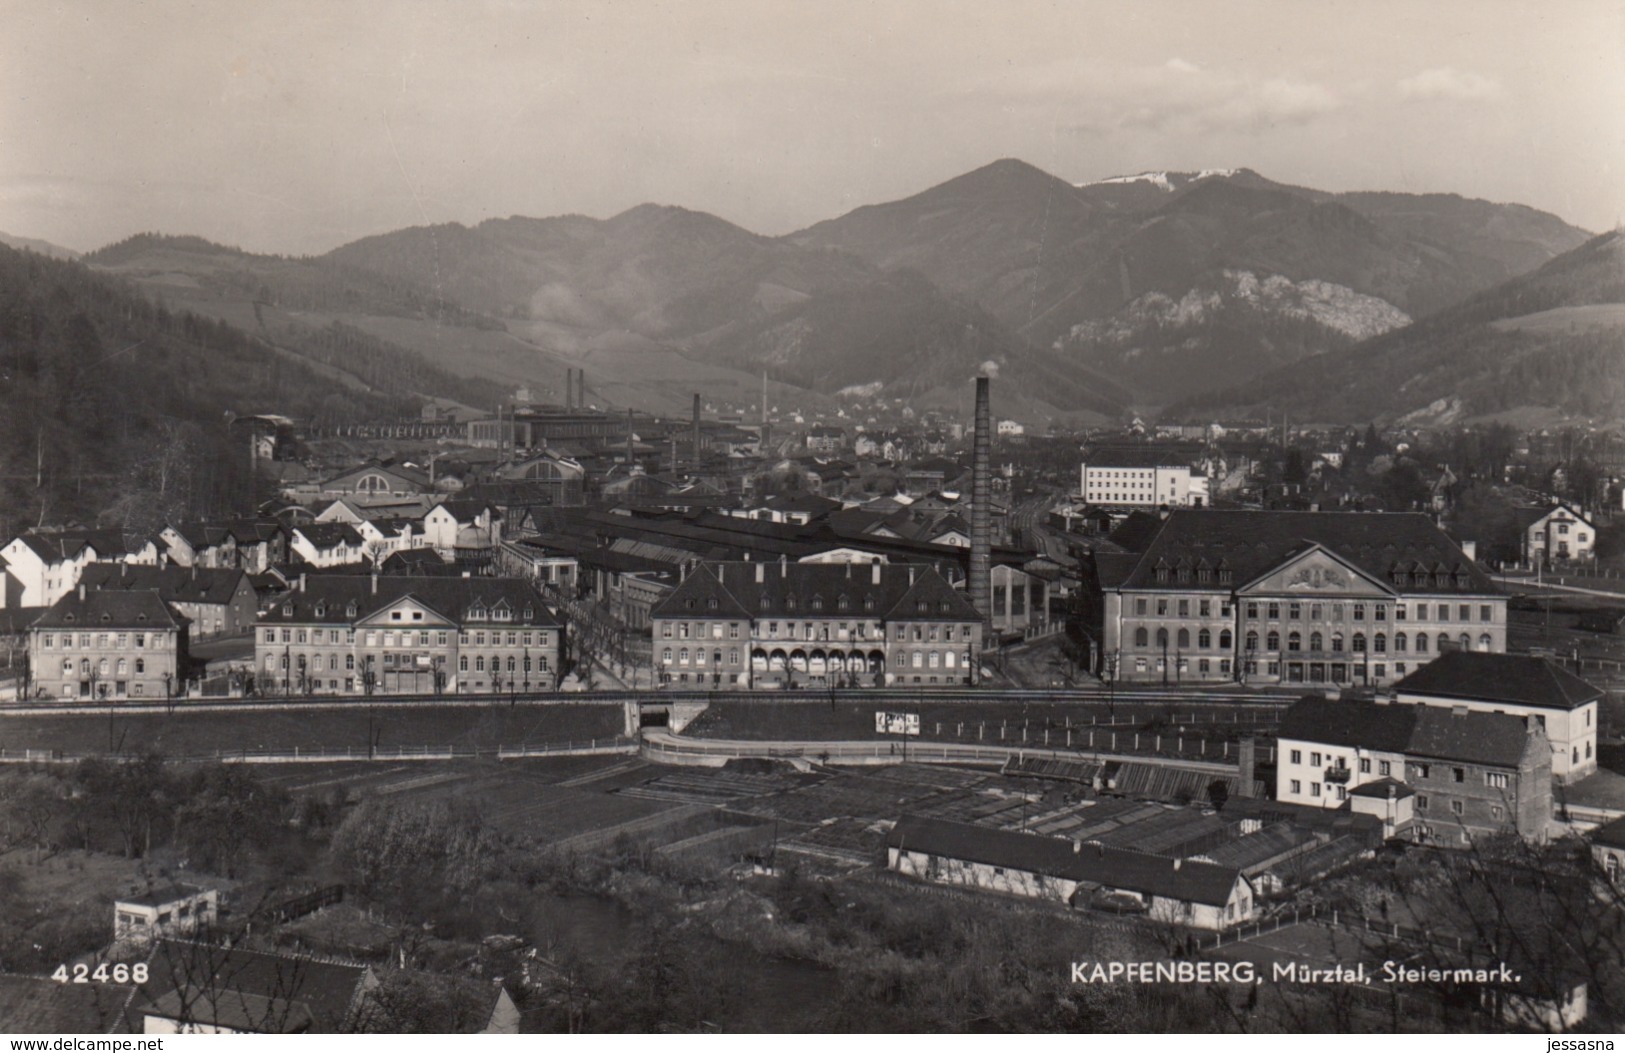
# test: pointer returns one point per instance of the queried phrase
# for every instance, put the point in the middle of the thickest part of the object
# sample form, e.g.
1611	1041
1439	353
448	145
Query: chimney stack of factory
981	523
696	461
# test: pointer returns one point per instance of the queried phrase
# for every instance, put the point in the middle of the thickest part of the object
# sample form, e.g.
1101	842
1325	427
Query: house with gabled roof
1472	774
41	566
761	624
1567	708
112	645
217	602
200	988
328	544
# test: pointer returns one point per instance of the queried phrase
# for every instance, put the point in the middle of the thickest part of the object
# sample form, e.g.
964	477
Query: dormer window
689	603
349	612
765	603
789	603
922	607
530	612
868	603
1162	575
817	603
287	610
843	604
106	617
69	618
711	604
320	610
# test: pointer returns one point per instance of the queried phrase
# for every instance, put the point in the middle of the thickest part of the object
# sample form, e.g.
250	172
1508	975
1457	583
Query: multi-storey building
1473	774
1294	597
94	646
754	624
40	567
1140	478
1557	534
215	602
1566	707
360	634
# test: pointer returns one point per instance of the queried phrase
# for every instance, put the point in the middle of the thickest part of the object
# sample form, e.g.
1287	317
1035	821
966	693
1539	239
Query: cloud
1181	98
1449	83
1179	65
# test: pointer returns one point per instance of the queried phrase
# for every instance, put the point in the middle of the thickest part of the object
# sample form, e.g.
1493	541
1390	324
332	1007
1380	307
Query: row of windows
1204	638
103	667
1203	665
1379	642
303	662
119	641
406	637
1378	611
1165	607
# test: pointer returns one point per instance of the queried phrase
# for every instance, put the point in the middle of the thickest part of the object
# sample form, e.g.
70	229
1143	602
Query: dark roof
175	584
1523	680
247	990
34	1005
143	609
18	619
1612	834
731	589
1085	863
1137	531
158	895
328	535
332	595
1252	543
1383	787
1432	732
56	545
418	561
1140	457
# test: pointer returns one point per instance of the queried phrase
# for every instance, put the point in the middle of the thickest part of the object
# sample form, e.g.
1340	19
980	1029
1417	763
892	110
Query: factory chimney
696	461
581	389
629	438
569	388
980	521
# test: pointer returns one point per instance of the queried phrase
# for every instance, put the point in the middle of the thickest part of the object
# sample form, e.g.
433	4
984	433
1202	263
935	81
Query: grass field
185	734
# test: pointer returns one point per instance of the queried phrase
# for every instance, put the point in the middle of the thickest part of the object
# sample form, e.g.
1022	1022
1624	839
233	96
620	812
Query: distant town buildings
1141	477
1558	534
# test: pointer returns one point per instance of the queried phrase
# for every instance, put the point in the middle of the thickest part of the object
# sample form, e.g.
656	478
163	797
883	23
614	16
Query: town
1161	678
752	517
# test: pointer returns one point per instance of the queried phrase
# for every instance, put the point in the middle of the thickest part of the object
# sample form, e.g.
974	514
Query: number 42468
118	974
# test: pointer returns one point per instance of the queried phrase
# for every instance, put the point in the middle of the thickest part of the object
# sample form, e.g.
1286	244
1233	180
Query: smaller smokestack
81	592
1249	765
696	430
874	573
569	388
301	583
761	573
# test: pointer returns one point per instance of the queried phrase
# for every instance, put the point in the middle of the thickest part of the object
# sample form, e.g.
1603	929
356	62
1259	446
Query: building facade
1142	480
107	646
364	635
1473	774
1558	534
1567	708
216	602
1294	597
755	624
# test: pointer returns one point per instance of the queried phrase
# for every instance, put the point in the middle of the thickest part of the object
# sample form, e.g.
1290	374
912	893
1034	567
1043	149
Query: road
1030	527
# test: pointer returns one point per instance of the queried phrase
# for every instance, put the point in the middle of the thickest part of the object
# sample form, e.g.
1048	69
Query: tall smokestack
569	388
981	529
629	438
696	432
581	389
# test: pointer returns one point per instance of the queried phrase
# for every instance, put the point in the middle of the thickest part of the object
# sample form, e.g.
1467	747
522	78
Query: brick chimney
1249	765
981	523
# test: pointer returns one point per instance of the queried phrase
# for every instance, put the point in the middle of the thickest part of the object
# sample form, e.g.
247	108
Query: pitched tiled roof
174	584
326	599
789	590
1139	457
1251	543
54	545
1522	680
1089	863
1434	732
329	535
250	990
142	609
1612	835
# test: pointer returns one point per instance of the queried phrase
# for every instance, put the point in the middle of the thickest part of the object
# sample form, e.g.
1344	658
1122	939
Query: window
1486	613
1204	639
1275	610
1272	642
1252	610
1297	785
1294	641
1297	756
1379	643
1381	612
1456	807
1421	643
1315	642
1359	642
1458	775
1294	611
1139	605
1206	608
1142	637
1314	760
1184	608
1314	789
1385	768
1184	639
1359	613
1495	811
1399	642
1423	771
1252	641
1496	779
1365	765
1421	802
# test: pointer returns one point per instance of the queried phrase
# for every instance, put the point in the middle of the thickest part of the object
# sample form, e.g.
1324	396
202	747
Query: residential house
1567	707
1558	534
825	438
200	988
467	532
101	645
43	566
1185	892
169	909
215	602
328	544
1474	774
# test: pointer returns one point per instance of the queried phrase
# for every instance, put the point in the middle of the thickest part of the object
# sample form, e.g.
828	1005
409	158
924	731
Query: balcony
1336	776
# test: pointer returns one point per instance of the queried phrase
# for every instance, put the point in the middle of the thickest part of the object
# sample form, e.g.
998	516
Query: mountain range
1087	301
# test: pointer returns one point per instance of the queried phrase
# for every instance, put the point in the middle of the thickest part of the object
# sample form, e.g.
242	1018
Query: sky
295	126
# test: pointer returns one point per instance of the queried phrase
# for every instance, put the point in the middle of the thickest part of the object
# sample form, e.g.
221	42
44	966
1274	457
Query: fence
300	755
1341	919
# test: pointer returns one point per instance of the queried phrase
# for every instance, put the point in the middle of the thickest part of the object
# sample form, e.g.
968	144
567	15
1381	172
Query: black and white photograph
869	516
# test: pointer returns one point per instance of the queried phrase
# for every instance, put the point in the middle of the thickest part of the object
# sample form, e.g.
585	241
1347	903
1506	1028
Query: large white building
1141	478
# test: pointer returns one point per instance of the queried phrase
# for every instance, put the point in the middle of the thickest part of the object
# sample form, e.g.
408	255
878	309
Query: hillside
44	248
1088	269
659	280
1549	344
117	407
